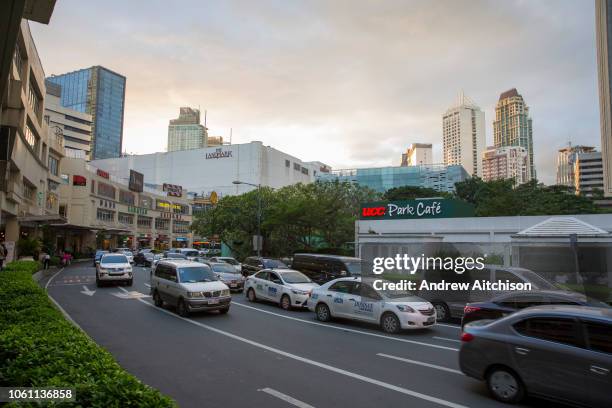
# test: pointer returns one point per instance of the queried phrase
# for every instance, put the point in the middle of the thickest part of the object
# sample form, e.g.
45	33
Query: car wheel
505	386
323	313
285	302
98	282
181	308
442	312
251	295
130	282
390	323
224	310
157	299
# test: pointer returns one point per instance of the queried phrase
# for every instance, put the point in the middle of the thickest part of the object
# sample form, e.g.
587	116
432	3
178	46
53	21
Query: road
260	355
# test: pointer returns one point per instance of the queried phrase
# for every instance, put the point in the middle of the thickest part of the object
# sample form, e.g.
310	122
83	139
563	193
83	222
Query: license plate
233	285
213	302
431	320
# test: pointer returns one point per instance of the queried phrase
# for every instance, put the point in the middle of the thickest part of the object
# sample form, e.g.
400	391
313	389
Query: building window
126	197
127	219
304	170
17	59
162	224
106	190
184	209
29	191
296	166
34	100
30	137
180	227
105	215
63	210
146	202
287	163
144	222
53	165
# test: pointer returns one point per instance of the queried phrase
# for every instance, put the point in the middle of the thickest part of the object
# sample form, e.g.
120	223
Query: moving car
449	304
353	299
166	255
189	286
227	259
226	273
97	256
129	254
146	258
190	253
114	267
323	268
286	287
254	264
508	303
563	353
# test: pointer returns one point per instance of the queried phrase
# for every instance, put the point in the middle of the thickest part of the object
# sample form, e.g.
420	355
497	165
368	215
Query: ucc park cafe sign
416	209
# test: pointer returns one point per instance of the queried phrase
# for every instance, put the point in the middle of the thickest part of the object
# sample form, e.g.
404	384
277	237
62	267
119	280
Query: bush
28	247
30	267
39	348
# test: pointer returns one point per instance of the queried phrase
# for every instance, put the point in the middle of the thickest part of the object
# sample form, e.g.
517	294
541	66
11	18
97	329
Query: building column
11	229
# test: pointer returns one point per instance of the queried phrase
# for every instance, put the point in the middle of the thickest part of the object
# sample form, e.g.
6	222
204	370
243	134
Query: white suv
190	286
114	268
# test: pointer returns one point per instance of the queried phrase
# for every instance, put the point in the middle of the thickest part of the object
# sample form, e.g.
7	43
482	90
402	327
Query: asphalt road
260	355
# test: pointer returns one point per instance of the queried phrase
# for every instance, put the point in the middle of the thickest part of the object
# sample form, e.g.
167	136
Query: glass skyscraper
101	93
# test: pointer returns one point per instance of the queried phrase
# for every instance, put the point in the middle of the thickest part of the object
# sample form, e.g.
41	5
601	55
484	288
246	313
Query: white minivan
189	286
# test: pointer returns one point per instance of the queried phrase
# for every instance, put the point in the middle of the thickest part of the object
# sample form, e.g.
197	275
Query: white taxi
350	298
286	287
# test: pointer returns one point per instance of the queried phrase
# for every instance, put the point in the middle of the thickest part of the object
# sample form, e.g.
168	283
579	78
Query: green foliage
39	348
503	198
300	217
411	193
28	247
23	266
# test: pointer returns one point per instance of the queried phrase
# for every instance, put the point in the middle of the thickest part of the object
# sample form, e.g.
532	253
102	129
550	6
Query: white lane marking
87	292
286	398
347	329
454	326
52	277
447	339
305	360
405	360
147	285
129	294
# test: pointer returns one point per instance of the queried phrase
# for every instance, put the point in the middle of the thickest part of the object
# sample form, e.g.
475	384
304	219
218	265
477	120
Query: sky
350	83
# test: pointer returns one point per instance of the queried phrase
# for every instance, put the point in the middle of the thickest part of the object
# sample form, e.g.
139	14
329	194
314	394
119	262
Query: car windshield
224	268
354	267
274	264
190	253
194	274
537	281
114	259
100	253
175	256
295	277
230	261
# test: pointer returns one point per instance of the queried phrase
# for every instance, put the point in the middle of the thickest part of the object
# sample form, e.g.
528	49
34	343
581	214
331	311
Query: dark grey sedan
562	353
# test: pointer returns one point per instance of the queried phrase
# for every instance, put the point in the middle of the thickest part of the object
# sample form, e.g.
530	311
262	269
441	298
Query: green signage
416	209
137	210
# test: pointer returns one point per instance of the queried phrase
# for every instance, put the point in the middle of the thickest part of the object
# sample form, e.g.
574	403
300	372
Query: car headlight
225	292
405	308
299	292
194	294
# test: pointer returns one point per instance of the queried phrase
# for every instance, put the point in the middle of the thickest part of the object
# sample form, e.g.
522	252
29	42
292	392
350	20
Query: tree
411	193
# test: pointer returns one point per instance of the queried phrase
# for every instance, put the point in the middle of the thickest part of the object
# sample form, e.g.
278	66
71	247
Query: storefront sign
137	210
102	173
79	181
219	154
416	209
136	182
173	190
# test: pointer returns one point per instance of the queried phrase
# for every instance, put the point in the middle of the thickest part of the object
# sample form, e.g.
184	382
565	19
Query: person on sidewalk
3	255
46	259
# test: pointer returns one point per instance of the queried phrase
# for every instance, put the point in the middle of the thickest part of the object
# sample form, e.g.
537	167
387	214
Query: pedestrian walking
46	258
3	255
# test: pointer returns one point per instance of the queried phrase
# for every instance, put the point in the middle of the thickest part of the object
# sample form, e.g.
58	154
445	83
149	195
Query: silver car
189	286
227	274
562	353
228	259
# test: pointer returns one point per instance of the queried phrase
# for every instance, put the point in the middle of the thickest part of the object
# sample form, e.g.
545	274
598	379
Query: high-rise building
186	132
417	153
505	163
464	138
213	141
566	158
99	92
72	125
603	30
588	169
513	126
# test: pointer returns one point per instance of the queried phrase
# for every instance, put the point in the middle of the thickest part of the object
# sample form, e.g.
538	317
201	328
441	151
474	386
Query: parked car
350	298
323	268
562	353
97	256
114	267
226	273
227	259
286	287
511	302
254	264
189	286
146	258
450	303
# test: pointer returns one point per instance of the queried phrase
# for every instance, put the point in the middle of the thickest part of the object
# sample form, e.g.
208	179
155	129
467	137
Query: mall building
214	169
103	211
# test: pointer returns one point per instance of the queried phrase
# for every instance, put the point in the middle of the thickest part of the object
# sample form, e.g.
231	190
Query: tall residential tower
603	31
463	130
99	92
513	126
186	132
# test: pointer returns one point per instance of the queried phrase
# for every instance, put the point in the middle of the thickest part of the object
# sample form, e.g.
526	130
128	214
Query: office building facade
566	159
463	136
603	31
99	92
186	132
588	173
436	176
417	154
509	162
513	125
73	126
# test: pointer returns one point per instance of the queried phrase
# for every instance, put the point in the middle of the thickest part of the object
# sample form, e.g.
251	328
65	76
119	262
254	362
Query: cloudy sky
350	83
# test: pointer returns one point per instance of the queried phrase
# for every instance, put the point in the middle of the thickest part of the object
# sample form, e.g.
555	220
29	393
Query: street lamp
259	239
